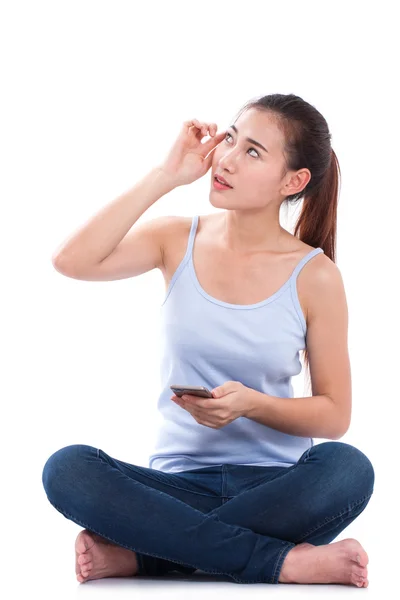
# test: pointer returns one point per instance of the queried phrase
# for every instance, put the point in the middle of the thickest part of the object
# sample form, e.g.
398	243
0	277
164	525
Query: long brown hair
307	144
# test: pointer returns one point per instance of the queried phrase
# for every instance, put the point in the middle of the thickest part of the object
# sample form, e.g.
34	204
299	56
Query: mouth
222	183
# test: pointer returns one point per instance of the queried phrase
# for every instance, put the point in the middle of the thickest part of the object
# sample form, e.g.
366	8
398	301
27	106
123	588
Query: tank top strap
296	271
192	234
304	261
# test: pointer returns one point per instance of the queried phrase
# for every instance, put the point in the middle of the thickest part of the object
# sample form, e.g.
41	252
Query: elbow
56	262
63	270
341	433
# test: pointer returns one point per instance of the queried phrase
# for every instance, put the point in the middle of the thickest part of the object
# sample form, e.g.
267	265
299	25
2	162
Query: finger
176	399
192	123
209	129
196	124
213	128
202	126
212	143
216	139
209	148
197	402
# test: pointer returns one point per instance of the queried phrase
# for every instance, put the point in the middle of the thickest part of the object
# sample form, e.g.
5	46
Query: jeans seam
329	520
279	562
224	481
141	568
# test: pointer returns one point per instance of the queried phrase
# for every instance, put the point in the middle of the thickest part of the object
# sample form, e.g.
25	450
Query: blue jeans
235	520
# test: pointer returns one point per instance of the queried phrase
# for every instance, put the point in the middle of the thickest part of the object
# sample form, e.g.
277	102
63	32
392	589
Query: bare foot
97	557
330	563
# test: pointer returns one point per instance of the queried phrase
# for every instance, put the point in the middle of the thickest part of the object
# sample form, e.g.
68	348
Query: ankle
291	563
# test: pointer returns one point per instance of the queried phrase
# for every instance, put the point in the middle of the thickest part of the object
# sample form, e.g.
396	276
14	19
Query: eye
249	148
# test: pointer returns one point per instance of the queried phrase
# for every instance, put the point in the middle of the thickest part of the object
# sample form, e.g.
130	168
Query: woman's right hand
187	159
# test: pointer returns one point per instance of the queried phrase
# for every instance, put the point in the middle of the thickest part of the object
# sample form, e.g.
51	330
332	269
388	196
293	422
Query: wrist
169	178
251	402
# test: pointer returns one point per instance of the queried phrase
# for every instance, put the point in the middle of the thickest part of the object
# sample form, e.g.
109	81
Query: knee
352	464
63	467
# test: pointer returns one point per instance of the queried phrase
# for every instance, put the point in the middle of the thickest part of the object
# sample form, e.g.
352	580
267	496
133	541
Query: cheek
258	187
257	184
216	157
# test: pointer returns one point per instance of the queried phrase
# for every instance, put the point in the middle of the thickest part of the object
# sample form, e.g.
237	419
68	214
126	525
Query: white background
93	96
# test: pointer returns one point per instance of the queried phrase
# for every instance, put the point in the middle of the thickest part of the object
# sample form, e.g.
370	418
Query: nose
227	161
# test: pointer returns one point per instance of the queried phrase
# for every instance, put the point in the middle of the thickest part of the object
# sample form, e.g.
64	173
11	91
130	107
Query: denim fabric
235	520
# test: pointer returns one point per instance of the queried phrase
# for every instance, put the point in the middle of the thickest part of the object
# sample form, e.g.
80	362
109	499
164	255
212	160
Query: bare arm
96	240
313	416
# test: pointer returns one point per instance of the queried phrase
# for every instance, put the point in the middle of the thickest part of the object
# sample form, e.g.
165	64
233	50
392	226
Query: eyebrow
250	139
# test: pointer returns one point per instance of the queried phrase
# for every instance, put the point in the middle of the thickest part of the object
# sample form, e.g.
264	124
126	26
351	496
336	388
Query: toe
83	559
364	573
355	551
363	559
86	568
360	571
358	580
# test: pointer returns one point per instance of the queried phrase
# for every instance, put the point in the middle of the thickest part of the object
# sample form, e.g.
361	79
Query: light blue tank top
205	341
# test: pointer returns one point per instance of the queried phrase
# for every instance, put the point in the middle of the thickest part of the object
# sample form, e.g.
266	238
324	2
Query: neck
247	231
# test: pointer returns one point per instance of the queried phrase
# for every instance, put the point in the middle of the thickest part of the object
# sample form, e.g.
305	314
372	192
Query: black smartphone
193	390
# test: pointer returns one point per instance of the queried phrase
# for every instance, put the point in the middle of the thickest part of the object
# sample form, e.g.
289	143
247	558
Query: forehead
260	126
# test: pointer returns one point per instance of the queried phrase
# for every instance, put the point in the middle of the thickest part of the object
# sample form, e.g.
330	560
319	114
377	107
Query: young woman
235	484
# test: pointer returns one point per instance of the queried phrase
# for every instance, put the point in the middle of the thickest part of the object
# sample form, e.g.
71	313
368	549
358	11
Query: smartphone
193	390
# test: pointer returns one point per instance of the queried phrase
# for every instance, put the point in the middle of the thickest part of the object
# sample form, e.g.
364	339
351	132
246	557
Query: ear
298	182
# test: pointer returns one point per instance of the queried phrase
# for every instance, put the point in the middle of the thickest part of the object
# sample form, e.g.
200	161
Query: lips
222	180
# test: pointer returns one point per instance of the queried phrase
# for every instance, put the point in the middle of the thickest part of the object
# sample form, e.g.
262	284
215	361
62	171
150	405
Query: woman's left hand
230	401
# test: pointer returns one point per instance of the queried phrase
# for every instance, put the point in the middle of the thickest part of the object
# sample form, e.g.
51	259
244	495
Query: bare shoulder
319	279
322	283
321	270
177	230
176	235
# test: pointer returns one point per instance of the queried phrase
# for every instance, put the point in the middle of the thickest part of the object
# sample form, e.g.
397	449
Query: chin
216	199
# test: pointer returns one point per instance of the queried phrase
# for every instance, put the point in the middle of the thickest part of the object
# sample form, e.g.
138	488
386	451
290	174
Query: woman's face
254	173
